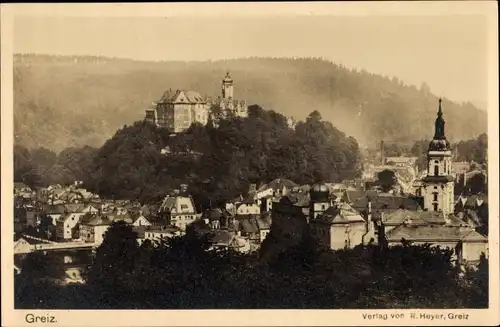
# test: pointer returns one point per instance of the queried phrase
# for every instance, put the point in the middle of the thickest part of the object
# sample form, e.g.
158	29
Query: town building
178	210
66	226
341	227
93	227
161	233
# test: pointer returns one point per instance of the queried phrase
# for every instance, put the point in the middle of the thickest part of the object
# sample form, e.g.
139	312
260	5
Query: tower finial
439	125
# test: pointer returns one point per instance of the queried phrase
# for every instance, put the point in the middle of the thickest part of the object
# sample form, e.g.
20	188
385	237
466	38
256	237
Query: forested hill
75	101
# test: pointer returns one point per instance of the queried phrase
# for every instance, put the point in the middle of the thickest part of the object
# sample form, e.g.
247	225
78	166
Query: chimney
382	156
184	188
447	219
252	188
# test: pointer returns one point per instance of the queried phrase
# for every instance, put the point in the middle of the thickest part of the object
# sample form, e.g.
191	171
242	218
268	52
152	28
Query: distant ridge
82	100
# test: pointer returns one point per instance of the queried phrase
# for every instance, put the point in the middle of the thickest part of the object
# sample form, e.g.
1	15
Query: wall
445	196
472	251
86	233
338	236
319	207
248	209
99	233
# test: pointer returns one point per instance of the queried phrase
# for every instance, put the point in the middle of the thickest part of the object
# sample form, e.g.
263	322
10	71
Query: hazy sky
449	53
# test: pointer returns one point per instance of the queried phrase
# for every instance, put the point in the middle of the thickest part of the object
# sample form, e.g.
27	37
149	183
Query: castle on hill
178	110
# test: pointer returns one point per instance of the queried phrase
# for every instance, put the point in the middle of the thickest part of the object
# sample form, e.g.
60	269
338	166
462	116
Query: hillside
76	101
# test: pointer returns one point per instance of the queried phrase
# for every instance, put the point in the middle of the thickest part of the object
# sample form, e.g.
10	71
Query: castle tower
438	188
227	87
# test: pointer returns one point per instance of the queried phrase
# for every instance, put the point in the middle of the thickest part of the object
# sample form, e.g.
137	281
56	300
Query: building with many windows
178	110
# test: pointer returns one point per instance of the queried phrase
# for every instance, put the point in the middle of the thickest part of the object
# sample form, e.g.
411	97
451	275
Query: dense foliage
475	150
181	273
107	93
218	163
43	167
387	179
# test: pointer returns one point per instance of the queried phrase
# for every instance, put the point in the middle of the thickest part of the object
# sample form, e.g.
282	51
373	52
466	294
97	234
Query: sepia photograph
319	160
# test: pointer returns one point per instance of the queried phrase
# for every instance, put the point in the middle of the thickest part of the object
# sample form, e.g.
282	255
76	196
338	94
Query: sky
449	53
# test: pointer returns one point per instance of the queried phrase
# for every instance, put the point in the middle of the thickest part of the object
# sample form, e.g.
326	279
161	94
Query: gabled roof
427	217
388	202
342	213
222	237
278	184
476	200
172	202
434	233
56	208
353	195
19	185
74	207
264	222
71	215
173	97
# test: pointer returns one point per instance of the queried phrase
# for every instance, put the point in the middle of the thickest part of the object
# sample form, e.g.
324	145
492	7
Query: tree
477	184
387	179
37	265
114	260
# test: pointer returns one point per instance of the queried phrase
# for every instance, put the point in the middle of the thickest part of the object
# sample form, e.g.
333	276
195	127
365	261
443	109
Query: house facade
66	226
179	211
177	110
341	227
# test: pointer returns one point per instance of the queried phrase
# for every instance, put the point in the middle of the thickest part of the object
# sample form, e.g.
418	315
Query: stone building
227	104
178	110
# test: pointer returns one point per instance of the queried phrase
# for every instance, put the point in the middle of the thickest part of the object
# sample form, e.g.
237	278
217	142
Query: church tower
227	87
320	200
438	186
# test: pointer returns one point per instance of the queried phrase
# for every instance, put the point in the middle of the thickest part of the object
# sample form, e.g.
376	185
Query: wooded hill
61	102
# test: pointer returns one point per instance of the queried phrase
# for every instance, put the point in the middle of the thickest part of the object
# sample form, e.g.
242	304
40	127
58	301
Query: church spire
439	125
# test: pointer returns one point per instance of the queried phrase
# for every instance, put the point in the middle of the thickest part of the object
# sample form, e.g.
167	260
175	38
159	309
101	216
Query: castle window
436	170
435	197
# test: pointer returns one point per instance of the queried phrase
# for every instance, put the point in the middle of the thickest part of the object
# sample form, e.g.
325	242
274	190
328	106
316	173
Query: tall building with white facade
438	185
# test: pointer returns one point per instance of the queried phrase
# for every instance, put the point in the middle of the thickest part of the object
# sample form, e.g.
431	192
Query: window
322	207
435	205
436	170
435	196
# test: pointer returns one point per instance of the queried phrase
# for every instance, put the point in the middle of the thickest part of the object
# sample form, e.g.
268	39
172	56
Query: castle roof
192	97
